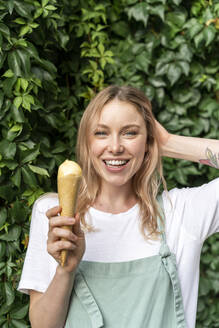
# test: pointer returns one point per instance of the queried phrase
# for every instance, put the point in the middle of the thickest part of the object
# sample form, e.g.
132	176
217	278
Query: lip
116	159
115	169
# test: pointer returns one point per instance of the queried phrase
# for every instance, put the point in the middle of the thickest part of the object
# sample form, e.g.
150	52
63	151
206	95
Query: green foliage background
54	56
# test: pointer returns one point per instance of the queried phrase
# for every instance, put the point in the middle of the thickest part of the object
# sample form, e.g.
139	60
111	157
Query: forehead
119	113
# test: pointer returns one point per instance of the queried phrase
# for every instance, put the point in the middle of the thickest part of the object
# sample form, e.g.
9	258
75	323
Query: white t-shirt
192	217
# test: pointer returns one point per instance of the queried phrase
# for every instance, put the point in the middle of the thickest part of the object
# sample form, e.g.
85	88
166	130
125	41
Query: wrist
65	273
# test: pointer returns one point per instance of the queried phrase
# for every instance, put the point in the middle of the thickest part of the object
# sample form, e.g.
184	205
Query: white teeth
113	162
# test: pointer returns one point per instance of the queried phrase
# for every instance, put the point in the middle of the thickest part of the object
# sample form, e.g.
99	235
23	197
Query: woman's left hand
163	134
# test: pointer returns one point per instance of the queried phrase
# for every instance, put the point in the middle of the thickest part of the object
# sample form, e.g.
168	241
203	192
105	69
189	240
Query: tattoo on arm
211	159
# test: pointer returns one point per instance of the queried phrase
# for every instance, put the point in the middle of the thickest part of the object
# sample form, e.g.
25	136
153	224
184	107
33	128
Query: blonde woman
130	264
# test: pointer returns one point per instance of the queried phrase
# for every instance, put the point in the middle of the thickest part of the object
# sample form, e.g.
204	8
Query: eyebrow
124	127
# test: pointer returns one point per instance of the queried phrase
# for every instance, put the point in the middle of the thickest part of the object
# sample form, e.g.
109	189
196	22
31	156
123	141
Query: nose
115	146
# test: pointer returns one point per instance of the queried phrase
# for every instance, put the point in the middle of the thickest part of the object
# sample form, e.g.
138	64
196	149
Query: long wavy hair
147	179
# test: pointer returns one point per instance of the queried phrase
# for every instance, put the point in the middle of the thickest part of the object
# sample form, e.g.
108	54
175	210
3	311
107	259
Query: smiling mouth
116	163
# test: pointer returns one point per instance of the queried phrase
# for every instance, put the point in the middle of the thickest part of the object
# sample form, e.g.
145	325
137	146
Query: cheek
96	148
138	148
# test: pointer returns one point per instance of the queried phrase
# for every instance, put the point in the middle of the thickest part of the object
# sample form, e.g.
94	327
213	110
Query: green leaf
2	249
140	12
174	73
199	39
17	115
175	108
32	51
64	38
38	170
161	68
1	99
2	56
17	101
160	95
19	312
184	67
23	9
28	177
14	62
4	30
20	21
24	84
24	60
13	234
50	7
2	321
8	73
24	30
120	28
7	149
209	104
157	82
177	17
183	96
9	293
3	216
27	101
6	192
158	11
16	178
44	2
30	155
185	53
205	286
19	212
8	85
142	61
209	34
18	323
193	27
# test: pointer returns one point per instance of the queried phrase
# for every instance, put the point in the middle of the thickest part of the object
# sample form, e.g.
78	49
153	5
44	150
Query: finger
54	211
59	233
59	221
63	245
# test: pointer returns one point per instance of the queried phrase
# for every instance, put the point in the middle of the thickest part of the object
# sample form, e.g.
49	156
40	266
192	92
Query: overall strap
164	249
161	226
84	294
169	262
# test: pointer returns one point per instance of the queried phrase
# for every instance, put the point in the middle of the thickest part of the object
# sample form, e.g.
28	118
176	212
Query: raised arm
200	150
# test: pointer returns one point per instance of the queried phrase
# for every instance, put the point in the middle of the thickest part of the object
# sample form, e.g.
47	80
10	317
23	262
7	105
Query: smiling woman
119	125
133	255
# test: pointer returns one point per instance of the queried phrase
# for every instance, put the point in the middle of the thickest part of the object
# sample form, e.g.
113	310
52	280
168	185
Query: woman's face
118	143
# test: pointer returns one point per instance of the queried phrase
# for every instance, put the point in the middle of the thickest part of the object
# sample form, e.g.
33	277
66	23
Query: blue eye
100	133
131	133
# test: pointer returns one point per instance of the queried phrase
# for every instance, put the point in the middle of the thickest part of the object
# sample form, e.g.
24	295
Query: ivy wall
54	56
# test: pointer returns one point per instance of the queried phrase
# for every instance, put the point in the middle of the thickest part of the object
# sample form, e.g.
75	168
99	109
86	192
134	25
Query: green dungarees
143	293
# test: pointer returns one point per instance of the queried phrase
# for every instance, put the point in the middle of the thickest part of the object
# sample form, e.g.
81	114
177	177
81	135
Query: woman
129	263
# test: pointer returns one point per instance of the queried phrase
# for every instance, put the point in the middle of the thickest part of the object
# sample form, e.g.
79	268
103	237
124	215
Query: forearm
50	310
205	151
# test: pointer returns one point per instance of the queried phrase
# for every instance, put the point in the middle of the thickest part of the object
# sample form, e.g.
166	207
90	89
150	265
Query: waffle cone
69	177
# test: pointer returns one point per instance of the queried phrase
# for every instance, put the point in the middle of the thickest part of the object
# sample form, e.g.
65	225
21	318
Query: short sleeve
39	267
197	209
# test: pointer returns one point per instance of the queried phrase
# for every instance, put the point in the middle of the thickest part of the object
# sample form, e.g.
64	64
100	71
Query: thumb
77	226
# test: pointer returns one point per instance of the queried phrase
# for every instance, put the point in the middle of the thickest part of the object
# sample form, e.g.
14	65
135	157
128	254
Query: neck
115	199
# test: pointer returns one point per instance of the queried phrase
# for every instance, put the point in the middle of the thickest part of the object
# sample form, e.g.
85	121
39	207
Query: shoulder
178	197
45	202
39	220
192	210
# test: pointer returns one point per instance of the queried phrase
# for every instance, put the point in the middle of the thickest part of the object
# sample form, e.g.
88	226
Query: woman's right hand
74	243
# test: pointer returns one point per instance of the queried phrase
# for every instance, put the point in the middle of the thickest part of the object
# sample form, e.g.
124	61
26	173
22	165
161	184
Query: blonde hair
146	181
